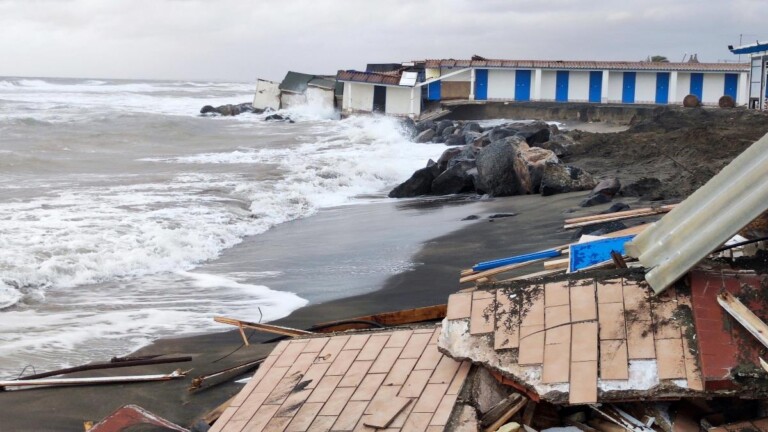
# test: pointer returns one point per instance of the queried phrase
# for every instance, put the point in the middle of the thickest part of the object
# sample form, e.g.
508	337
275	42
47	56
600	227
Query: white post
536	85
412	113
741	92
349	94
472	84
604	89
672	99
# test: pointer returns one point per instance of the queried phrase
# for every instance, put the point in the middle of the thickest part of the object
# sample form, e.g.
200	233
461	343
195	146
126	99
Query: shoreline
537	225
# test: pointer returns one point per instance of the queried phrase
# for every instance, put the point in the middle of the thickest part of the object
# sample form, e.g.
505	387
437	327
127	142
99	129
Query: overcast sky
241	40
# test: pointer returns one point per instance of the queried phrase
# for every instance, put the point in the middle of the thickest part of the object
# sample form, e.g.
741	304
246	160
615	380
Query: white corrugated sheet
706	219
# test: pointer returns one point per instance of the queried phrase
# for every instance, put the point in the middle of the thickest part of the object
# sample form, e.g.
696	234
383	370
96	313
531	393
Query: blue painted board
433	91
731	81
697	84
481	84
487	265
628	88
561	86
588	254
662	87
522	85
595	86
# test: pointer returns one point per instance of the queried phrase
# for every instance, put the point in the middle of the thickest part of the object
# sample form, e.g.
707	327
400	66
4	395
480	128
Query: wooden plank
614	364
754	325
629	214
499	270
583	385
556	264
390	319
268	328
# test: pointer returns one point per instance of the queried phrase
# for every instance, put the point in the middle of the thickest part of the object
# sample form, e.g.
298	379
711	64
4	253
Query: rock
442	125
487	391
409	127
535	133
555	148
564	178
499	133
466	421
602	228
595	199
502	171
536	158
455	140
471	127
691	101
649	188
229	109
501	215
448	131
470	137
278	117
608	187
208	109
471	217
447	156
617	207
424	125
419	184
454	180
425	136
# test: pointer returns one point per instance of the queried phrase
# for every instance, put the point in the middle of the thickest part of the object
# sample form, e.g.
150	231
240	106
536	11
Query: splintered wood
584	333
396	380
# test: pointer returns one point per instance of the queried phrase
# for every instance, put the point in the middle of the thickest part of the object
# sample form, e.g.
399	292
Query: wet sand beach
434	239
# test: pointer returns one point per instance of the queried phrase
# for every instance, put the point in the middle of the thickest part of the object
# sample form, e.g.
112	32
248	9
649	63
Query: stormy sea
122	211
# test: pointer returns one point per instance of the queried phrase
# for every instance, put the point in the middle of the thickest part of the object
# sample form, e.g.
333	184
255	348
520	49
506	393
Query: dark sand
446	245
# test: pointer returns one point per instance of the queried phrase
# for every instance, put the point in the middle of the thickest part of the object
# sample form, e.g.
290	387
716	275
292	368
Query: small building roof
348	381
369	77
589	65
323	83
749	49
383	67
296	82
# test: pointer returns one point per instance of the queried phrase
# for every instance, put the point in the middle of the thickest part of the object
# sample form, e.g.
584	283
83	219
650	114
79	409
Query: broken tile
367	389
430	398
382	418
556	363
415	383
670	358
531	349
556	319
459	306
611	318
556	294
584	346
483	316
399	372
583	385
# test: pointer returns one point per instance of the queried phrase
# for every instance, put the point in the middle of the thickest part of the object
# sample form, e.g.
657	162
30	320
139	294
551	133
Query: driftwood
283	331
744	316
198	382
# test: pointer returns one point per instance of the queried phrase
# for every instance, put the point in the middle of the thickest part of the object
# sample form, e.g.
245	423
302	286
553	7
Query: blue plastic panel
584	255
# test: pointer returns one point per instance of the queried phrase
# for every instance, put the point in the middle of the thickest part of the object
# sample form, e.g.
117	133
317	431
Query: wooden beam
285	331
744	316
629	213
91	381
556	264
388	319
499	270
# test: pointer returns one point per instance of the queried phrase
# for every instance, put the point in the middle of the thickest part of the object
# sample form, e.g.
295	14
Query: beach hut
758	71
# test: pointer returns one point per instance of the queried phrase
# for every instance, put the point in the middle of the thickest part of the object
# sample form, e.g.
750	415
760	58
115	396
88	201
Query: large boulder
424	125
534	133
409	127
558	144
536	158
561	178
425	136
455	179
448	155
454	140
499	133
419	184
608	187
471	127
442	125
470	137
502	171
448	131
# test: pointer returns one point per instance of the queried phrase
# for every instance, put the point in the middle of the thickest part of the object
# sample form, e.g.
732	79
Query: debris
744	316
381	419
502	407
488	265
284	331
91	381
385	319
514	409
610	217
198	382
132	415
584	255
114	363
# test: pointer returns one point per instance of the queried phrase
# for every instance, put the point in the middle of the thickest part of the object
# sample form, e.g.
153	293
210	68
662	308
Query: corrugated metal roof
296	82
705	220
591	65
368	77
324	83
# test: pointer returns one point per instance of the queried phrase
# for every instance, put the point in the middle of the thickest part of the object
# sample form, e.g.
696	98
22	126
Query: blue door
522	85
561	86
662	87
481	84
731	81
433	91
596	86
697	84
628	88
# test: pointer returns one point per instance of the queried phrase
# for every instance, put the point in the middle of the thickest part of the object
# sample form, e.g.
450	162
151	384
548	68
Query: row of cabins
406	90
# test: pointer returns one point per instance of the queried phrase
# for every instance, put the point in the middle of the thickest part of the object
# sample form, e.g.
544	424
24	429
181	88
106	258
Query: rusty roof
589	65
369	77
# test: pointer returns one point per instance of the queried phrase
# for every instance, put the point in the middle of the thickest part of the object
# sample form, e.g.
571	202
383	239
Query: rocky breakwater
509	159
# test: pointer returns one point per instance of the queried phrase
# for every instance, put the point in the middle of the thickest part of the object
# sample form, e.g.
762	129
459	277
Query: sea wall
616	114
